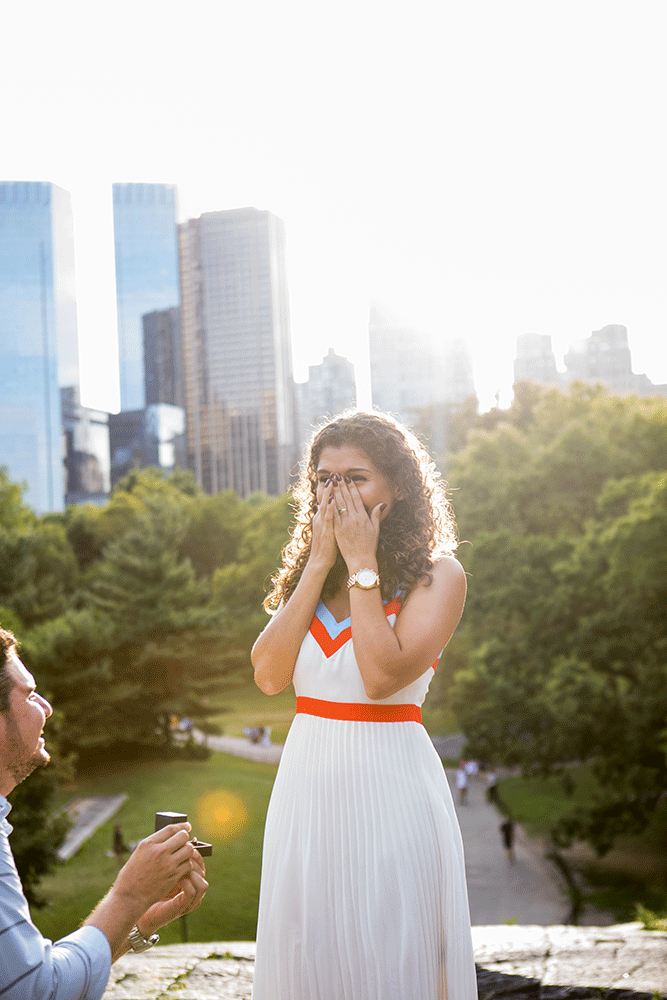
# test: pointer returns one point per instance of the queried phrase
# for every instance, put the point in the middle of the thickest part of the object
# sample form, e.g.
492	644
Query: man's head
23	713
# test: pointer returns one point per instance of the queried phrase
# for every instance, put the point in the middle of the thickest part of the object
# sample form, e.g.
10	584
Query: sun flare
221	815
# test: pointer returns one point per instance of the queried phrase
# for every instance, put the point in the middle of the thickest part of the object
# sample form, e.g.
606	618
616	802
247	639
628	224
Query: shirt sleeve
31	967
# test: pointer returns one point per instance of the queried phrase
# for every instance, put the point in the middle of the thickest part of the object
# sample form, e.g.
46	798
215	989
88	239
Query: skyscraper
38	335
146	273
330	389
605	357
411	372
162	357
86	450
535	360
237	365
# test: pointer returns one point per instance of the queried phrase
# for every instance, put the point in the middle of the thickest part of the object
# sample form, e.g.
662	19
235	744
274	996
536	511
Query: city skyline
482	171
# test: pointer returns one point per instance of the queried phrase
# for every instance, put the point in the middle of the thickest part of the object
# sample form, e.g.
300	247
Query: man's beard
21	763
21	768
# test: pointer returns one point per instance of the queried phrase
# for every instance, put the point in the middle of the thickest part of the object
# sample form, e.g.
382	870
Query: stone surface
570	962
513	963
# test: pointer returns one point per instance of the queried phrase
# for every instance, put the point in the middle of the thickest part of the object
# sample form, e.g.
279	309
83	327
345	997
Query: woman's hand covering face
356	529
323	547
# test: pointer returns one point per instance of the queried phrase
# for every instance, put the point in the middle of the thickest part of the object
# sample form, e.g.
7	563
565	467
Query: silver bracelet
138	942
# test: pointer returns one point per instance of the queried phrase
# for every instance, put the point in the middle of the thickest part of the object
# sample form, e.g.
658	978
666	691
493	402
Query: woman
363	886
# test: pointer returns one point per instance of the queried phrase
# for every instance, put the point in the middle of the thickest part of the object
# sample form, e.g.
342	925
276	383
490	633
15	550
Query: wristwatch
366	579
138	942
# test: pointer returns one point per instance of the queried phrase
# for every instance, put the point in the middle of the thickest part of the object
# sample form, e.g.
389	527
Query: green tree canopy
146	642
565	503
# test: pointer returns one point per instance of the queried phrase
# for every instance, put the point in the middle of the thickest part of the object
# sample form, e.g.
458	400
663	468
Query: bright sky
482	168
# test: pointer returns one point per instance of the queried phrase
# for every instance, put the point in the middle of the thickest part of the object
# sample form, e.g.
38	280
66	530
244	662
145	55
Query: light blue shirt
32	967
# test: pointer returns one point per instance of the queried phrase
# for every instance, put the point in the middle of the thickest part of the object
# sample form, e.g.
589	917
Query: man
77	967
506	829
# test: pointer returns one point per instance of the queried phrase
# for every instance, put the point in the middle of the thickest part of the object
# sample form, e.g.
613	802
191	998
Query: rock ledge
623	962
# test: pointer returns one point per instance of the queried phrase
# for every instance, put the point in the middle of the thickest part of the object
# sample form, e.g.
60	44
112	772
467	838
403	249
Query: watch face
366	578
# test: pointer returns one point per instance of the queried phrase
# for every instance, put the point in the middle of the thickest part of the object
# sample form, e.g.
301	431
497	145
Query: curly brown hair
419	528
7	644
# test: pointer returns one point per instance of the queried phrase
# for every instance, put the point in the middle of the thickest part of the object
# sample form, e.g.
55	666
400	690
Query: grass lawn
226	799
537	803
633	873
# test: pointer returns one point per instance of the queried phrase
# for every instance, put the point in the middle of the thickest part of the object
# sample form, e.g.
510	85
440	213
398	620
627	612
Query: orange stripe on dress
358	711
330	646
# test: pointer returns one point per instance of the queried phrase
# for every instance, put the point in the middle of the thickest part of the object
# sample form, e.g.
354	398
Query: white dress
363	893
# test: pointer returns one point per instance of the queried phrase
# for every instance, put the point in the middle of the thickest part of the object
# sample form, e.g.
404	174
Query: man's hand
156	865
193	888
153	870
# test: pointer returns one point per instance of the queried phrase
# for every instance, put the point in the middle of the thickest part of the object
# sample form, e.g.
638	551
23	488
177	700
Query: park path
525	891
240	746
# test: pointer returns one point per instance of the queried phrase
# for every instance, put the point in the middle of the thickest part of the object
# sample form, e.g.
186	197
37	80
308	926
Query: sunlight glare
221	815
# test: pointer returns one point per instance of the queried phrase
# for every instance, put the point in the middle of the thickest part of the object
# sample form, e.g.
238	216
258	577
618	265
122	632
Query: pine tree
146	646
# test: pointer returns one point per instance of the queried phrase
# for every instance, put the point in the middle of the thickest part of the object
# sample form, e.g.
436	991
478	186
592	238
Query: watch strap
138	942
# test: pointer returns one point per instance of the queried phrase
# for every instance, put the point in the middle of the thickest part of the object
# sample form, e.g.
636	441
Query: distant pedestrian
120	848
491	786
506	829
462	783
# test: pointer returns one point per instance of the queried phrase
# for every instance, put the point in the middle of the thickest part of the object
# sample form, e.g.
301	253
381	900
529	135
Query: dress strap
358	711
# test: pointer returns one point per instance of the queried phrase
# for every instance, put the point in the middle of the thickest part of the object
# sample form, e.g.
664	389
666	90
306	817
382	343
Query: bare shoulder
448	572
446	587
433	610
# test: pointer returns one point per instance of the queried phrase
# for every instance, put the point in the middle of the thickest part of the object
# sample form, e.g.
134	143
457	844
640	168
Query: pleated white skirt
363	892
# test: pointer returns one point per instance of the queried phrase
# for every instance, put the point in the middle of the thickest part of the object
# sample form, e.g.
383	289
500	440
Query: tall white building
237	360
411	372
535	360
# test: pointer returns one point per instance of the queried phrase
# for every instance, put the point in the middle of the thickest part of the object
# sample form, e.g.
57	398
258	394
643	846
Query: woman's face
373	486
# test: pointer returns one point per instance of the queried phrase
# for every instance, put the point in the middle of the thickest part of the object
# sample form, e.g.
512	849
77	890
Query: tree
39	571
214	533
145	645
240	587
565	502
13	512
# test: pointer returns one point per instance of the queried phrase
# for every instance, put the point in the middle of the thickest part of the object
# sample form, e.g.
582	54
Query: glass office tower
146	274
38	335
237	361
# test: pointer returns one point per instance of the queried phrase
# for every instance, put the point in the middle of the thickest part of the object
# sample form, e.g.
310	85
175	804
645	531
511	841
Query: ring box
163	819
